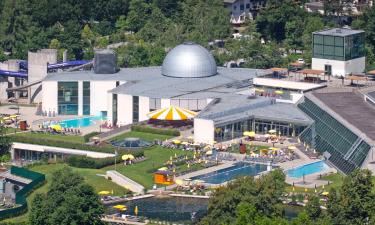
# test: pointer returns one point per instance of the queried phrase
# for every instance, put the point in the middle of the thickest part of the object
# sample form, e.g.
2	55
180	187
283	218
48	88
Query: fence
36	180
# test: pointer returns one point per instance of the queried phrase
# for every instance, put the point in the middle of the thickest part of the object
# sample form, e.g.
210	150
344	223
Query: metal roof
189	60
339	32
231	108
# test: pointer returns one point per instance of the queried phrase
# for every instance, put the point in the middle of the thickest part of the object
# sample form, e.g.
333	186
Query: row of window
253	6
67	98
191	104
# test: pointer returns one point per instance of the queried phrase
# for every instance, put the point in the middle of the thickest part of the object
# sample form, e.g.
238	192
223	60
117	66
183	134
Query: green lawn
142	135
90	175
53	137
143	172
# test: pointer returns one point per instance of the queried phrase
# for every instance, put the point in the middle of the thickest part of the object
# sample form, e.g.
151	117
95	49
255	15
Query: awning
172	113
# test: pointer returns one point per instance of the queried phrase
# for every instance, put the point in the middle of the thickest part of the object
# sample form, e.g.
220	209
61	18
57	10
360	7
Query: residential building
241	10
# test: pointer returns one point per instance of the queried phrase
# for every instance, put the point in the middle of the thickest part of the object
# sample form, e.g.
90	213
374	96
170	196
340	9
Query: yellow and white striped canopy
172	113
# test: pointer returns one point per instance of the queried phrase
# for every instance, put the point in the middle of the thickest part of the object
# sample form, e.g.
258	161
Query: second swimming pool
307	169
227	174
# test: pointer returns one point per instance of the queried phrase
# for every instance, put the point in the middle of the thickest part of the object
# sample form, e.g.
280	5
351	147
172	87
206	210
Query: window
114	109
67	98
247	6
242	7
135	109
155	103
86	98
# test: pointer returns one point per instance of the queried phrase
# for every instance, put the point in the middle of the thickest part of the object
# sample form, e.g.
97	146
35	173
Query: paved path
126	182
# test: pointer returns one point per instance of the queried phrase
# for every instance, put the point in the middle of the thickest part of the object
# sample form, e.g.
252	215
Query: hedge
146	129
37	179
86	162
87	137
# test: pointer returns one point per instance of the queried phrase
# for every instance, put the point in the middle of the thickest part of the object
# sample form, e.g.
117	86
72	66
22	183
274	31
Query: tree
54	44
4	141
87	35
354	202
259	197
139	12
293	34
313	209
154	27
313	23
68	201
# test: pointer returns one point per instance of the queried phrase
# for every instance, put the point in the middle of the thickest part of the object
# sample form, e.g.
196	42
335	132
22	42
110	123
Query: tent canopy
172	113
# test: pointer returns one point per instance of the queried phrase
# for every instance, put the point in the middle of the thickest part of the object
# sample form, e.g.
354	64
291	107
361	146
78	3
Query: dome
189	60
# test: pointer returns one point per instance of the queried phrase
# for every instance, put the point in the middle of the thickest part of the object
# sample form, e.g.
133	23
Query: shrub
87	137
92	163
146	129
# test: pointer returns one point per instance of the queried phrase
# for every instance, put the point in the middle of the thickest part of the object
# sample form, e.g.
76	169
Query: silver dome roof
189	60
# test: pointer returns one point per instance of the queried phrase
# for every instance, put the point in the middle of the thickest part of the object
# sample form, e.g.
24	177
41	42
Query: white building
339	52
241	10
190	79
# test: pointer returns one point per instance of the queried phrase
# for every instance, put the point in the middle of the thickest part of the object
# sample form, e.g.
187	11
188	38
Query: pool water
79	122
227	174
180	210
307	169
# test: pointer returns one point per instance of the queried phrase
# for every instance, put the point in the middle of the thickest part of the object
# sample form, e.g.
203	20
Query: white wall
99	96
204	131
109	108
340	68
144	108
80	98
125	109
49	96
164	103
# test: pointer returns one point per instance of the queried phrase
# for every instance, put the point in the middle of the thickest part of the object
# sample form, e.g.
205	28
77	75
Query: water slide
24	67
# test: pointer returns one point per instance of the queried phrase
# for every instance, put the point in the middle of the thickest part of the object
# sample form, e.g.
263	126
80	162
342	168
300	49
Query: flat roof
286	84
339	32
232	108
352	108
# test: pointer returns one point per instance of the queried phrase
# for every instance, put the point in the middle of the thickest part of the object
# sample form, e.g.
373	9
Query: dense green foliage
146	30
258	202
87	137
146	129
69	201
87	162
4	141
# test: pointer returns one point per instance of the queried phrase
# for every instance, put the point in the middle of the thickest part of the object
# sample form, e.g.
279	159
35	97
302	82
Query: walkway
121	200
119	220
126	182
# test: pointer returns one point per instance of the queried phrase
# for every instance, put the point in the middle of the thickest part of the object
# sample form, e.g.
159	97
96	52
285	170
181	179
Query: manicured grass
142	135
142	172
53	137
90	175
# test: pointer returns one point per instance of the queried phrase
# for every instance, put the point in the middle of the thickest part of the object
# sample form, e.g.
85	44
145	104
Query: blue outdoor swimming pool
227	174
79	122
307	169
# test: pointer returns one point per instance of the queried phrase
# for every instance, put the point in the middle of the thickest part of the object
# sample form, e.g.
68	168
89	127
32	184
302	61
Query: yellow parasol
179	182
292	147
136	210
246	133
104	193
209	152
13	116
56	127
325	193
172	113
120	207
184	143
259	90
127	157
279	92
176	142
6	118
272	131
163	169
274	149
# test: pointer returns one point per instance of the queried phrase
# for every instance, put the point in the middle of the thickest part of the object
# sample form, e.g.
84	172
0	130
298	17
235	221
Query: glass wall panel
86	98
135	109
67	99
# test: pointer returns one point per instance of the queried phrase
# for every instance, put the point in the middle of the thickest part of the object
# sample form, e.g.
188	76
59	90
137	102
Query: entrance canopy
172	113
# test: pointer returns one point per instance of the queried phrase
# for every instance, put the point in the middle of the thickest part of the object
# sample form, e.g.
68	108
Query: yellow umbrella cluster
172	113
127	157
249	133
120	207
104	193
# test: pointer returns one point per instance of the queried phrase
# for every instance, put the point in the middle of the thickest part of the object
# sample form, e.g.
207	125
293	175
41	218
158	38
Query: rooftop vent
105	62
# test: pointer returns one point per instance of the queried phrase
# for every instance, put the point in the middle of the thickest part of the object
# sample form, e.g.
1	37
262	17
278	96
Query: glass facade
155	103
339	47
114	109
67	99
86	98
135	109
191	104
235	130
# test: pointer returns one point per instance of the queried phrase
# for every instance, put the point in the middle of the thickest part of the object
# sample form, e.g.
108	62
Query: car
300	60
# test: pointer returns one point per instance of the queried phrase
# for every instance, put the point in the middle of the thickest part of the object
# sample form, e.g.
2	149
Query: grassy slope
98	182
53	137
